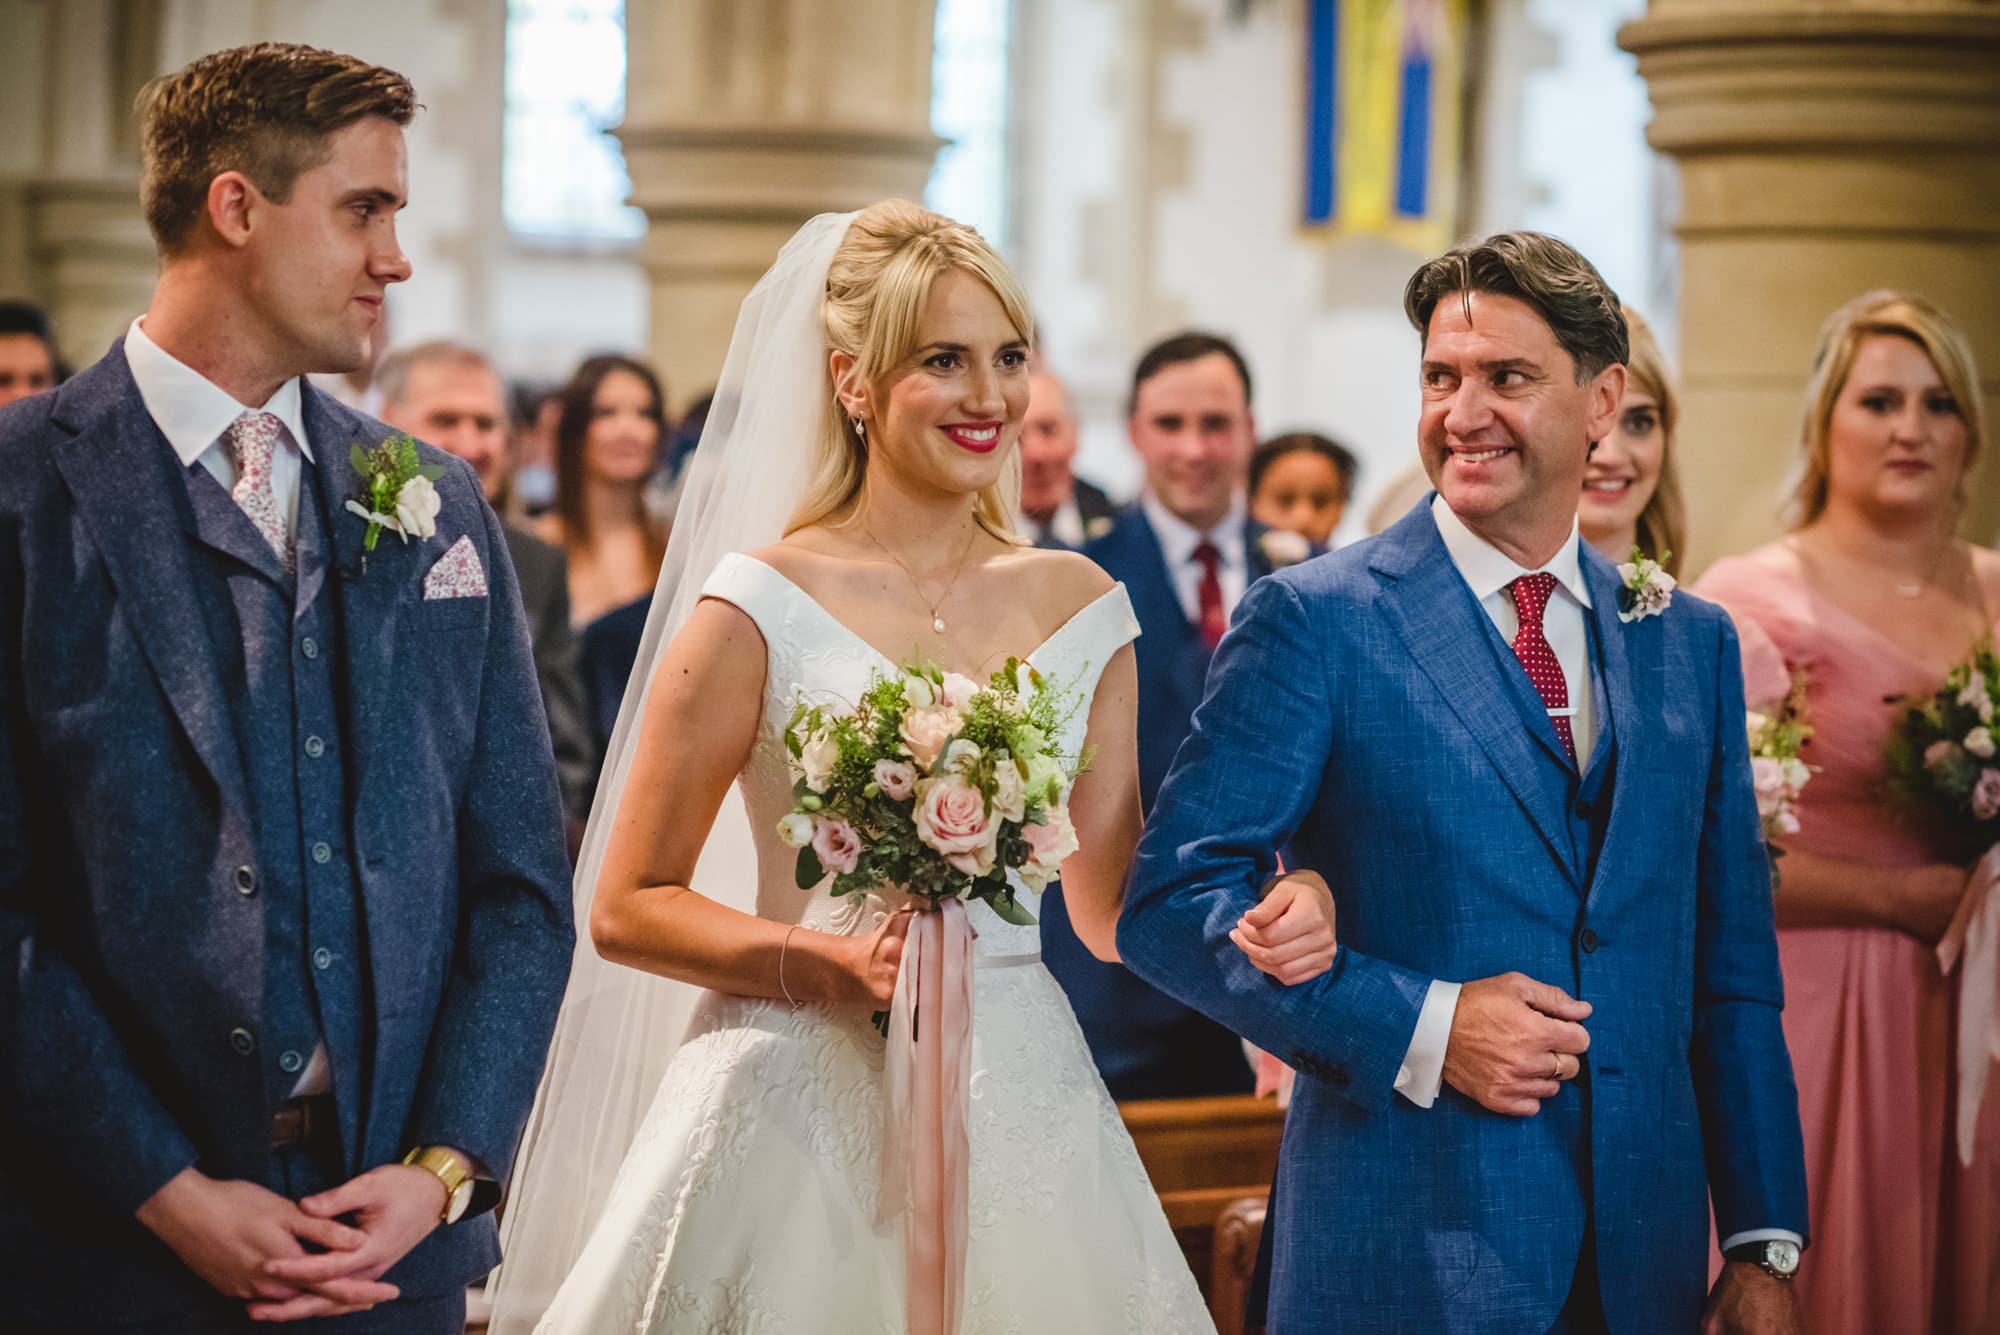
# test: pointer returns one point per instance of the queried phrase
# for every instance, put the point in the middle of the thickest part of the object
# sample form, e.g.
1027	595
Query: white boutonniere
1649	589
1094	529
397	492
1283	548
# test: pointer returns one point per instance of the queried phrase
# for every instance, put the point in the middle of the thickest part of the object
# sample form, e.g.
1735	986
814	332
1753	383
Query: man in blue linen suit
1185	554
1558	981
283	897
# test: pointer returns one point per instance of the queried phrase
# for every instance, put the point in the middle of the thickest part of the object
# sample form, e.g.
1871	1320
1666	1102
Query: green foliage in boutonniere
397	492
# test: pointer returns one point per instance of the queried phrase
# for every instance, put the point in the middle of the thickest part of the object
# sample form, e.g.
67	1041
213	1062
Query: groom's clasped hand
1514	1042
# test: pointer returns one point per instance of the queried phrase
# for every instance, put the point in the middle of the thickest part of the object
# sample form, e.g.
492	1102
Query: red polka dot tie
253	439
1531	646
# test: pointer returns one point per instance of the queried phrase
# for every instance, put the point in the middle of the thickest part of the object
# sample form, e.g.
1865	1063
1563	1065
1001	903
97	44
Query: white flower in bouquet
919	690
952	818
796	830
959	757
817	759
1974	696
1045	779
1980	742
1010	793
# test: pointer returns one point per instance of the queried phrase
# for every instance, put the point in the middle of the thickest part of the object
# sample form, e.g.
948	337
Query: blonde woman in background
1631	492
1872	595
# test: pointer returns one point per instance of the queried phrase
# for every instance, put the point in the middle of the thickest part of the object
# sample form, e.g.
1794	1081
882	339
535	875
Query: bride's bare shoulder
1062	582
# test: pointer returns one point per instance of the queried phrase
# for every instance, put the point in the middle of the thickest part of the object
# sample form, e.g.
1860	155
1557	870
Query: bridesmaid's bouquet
1941	752
936	785
1777	737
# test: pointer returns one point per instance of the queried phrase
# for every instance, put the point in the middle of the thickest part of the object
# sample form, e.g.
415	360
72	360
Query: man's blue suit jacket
132	953
1365	712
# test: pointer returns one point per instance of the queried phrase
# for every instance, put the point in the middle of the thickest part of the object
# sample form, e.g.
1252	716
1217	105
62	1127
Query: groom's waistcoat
277	647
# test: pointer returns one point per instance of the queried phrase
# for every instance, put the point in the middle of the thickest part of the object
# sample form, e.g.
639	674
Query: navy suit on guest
1147	1044
244	814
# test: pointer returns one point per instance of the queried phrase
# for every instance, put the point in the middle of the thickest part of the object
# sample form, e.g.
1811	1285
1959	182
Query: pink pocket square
457	574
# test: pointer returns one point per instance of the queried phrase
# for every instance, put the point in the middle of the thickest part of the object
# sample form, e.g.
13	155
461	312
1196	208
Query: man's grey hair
392	373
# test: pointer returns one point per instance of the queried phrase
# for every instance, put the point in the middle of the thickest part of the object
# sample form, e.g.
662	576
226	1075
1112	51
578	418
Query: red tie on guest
1531	646
1209	593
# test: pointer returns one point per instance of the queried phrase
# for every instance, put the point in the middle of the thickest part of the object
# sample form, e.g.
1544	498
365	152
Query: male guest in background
283	900
1551	1036
1060	508
29	363
1185	552
450	396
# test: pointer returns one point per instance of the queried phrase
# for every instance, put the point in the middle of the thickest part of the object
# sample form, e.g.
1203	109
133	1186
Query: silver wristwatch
1778	1257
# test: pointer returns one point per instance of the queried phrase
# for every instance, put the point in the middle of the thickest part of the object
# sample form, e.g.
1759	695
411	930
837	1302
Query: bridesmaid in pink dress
1871	595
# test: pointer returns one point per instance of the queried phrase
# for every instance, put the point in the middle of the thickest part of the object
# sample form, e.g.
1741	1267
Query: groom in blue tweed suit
283	899
1551	1035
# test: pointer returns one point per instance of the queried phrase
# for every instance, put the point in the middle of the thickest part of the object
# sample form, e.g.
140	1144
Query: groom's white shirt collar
1178	540
193	411
1488	570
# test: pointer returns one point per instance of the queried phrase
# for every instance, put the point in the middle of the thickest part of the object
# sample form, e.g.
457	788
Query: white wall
1157	162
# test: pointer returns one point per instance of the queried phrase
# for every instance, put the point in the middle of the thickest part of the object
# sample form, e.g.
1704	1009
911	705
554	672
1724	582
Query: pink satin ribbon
926	1158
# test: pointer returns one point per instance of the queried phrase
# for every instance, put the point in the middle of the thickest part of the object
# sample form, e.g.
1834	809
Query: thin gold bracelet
782	948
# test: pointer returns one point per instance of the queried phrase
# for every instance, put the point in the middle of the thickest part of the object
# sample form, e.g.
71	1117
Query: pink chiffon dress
1903	1239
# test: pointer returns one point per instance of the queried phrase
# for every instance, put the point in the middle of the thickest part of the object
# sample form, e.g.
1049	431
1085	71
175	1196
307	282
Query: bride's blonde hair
876	289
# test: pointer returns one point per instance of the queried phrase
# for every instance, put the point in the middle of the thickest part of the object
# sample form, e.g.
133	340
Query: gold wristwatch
451	1168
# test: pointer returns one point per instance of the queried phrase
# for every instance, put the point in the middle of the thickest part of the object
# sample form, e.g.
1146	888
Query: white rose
919	692
796	830
1010	797
1796	773
1975	697
959	757
1980	742
817	758
417	506
1285	548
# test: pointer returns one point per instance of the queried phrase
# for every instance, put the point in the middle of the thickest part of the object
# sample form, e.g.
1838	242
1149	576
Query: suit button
1588	940
315	747
246	881
241	1042
322	958
290	1062
309	647
321	853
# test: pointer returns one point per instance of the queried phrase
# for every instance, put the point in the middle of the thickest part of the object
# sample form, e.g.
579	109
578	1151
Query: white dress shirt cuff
1422	1073
1762	1235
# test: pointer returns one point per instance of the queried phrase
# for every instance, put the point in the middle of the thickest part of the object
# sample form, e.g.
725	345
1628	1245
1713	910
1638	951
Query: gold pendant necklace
937	621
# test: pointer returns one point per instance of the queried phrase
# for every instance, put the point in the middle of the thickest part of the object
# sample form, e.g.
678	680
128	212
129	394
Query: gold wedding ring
1557	1074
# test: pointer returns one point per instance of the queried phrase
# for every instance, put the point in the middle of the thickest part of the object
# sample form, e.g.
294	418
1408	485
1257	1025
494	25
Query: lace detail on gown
746	1206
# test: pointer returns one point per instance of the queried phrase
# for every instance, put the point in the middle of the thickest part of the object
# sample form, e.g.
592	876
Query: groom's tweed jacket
1365	714
174	858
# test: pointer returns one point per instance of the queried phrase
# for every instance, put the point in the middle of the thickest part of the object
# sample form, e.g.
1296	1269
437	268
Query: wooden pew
1205	1155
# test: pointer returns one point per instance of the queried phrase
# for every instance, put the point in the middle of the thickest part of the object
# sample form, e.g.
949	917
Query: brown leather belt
302	1120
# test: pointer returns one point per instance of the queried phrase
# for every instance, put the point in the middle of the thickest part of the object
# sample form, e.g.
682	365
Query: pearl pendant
937	624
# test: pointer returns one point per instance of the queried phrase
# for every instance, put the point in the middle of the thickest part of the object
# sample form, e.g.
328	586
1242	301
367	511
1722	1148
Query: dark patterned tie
1209	592
1531	646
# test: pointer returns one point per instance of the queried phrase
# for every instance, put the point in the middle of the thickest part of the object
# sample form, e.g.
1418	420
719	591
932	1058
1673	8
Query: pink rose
1986	794
838	846
896	778
959	690
925	731
952	819
1048	844
1939	754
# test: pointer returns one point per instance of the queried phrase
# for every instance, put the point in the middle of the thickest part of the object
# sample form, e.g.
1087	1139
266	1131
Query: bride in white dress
868	417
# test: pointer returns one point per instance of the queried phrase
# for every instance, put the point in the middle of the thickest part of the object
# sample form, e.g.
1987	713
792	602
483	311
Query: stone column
1825	147
76	240
743	118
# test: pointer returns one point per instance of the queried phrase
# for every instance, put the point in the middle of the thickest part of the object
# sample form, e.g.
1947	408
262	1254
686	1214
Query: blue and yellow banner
1384	100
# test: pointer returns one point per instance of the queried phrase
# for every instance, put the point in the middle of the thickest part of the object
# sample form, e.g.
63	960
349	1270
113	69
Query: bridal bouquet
934	784
1777	735
1941	752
